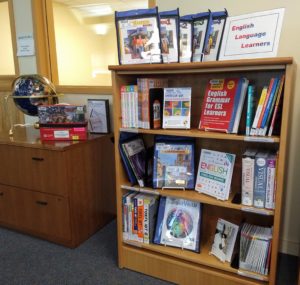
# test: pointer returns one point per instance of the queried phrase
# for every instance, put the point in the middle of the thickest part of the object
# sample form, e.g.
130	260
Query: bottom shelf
204	258
178	270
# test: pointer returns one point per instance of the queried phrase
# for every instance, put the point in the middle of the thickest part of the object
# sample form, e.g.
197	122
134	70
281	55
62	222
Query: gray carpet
26	260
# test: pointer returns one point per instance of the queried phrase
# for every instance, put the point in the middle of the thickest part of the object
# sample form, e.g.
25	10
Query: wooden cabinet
60	191
183	266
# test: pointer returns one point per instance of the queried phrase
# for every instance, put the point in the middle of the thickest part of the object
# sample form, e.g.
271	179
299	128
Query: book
98	115
215	173
260	179
255	248
185	38
129	106
263	131
215	34
259	107
177	108
201	22
173	165
222	104
224	240
250	108
144	86
271	181
178	224
169	33
135	152
276	109
248	162
138	36
150	215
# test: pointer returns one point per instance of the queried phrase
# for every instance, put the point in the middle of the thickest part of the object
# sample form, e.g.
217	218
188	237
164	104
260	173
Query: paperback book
173	163
177	108
224	240
215	173
222	105
185	38
178	223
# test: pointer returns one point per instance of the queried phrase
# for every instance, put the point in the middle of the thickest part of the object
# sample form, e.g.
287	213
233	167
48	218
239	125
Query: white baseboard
289	247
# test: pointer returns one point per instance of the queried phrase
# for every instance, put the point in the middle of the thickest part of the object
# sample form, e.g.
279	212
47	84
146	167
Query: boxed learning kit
62	122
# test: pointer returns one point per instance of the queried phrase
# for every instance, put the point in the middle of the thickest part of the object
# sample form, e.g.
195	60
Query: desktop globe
30	91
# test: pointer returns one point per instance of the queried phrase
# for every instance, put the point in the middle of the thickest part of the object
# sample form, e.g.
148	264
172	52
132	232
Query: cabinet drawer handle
42	203
37	158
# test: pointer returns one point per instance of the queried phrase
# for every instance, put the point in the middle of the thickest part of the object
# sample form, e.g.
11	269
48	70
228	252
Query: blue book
159	220
260	179
250	109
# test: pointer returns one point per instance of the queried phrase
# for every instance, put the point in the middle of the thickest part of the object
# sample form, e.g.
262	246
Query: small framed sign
254	35
98	116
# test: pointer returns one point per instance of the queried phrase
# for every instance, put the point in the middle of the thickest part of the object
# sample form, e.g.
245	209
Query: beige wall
289	46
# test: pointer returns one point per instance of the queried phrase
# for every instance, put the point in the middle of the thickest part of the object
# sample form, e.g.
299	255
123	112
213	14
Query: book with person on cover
222	105
173	165
177	108
136	154
224	240
215	173
178	223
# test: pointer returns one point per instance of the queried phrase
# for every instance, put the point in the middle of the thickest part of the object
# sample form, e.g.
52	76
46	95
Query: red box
63	133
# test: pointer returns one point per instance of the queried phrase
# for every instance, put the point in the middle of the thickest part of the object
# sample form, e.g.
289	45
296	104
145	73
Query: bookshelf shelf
187	267
195	133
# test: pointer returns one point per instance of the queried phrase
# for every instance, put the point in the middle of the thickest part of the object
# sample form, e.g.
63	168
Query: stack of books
62	122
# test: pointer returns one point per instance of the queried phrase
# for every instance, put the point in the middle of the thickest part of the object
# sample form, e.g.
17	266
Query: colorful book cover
144	84
215	173
150	215
271	181
220	104
250	109
181	224
177	108
260	179
224	240
248	162
258	110
173	165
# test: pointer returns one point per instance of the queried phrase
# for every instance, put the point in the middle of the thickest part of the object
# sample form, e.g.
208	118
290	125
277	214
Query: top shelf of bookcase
245	64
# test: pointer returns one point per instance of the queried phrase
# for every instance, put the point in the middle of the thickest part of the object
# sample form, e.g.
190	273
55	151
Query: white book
271	182
224	240
214	173
177	108
248	162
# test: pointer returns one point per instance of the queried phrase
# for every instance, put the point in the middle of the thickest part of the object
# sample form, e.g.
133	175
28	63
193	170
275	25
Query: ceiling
89	8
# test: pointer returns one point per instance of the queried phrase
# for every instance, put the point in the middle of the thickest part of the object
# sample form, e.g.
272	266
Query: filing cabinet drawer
7	210
34	169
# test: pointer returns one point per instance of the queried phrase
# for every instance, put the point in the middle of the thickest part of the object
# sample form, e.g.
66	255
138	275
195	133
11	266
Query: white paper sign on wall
25	45
254	35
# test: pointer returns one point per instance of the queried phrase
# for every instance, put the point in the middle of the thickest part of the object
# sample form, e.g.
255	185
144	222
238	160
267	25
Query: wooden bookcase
182	266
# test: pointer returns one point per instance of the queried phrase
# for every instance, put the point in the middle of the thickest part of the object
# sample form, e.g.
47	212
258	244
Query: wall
289	46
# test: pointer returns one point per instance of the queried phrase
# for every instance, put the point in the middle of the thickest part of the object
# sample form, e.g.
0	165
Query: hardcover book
173	165
215	173
178	224
222	104
248	162
260	179
271	181
177	108
224	240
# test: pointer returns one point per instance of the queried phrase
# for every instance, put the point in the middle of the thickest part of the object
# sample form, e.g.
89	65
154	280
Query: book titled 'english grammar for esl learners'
215	173
222	105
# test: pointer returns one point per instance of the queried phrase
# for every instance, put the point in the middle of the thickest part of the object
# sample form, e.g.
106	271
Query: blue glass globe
33	90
